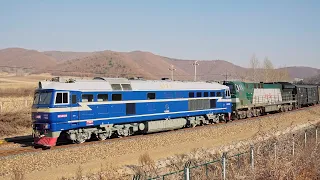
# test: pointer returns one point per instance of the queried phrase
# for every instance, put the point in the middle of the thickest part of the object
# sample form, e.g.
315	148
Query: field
16	96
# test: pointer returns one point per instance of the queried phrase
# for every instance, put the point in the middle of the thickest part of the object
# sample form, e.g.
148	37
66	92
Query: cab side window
87	98
102	97
116	97
191	94
62	98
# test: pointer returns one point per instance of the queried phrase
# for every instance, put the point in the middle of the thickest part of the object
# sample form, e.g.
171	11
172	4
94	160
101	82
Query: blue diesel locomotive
103	107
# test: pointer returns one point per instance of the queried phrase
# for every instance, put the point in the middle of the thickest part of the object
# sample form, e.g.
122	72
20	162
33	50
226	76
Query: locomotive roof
107	84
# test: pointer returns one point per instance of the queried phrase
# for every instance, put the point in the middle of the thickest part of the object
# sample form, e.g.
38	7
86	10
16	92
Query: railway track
27	145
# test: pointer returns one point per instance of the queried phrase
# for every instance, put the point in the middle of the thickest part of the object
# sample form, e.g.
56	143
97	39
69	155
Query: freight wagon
307	95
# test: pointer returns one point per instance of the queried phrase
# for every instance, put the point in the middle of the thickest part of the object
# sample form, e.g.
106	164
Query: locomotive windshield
42	98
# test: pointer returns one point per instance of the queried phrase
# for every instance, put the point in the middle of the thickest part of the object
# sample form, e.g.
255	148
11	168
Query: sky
285	31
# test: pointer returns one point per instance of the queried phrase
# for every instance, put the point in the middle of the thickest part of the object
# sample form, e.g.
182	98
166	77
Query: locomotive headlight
45	126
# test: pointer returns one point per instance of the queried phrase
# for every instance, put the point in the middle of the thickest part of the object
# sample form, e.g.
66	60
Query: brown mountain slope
128	64
25	58
147	65
151	66
61	56
156	66
116	64
104	63
302	72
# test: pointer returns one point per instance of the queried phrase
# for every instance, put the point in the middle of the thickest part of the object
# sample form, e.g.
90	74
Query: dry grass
16	92
17	174
12	104
105	173
16	98
79	173
26	78
273	159
15	124
19	86
147	166
15	115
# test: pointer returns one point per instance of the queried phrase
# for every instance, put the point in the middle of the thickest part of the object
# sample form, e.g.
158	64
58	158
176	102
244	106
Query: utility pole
195	64
16	69
172	69
227	75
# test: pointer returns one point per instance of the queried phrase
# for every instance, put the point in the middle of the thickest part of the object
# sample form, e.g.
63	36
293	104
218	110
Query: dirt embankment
64	163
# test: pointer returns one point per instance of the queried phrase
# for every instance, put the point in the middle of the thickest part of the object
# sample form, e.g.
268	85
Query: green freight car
255	99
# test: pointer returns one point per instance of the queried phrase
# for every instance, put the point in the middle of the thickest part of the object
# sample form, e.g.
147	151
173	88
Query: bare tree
254	66
283	74
269	72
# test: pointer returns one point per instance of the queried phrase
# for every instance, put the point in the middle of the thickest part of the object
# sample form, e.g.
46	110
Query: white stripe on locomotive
84	105
142	115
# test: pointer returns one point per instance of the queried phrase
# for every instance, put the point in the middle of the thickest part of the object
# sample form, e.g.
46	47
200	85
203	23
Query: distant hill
61	56
18	57
302	72
104	63
147	65
129	64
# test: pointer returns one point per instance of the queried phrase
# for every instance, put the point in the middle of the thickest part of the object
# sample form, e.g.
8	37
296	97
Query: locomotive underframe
103	132
255	110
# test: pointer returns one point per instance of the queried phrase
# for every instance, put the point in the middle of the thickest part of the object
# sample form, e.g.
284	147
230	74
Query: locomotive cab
49	108
42	102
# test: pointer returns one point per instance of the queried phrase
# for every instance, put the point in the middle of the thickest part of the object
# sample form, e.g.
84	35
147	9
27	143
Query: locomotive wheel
258	112
286	108
255	112
81	138
243	114
126	132
79	141
249	114
102	136
237	116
